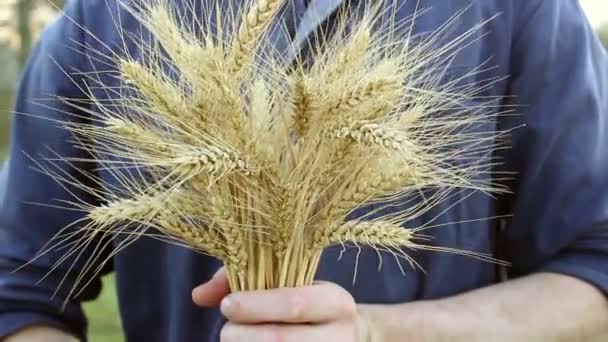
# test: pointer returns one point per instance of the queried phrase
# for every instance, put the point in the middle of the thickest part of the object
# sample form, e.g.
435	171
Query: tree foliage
603	34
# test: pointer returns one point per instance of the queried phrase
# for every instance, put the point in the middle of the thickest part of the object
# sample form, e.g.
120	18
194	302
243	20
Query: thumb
211	293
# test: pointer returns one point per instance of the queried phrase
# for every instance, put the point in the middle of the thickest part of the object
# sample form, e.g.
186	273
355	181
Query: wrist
364	326
416	321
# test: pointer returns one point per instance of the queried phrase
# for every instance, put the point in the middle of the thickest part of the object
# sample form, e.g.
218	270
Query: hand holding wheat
322	311
218	146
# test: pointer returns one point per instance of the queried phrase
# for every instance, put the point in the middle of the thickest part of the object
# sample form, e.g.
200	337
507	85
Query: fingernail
218	273
227	305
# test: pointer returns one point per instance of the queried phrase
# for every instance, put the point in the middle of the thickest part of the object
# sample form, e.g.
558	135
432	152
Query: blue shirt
557	81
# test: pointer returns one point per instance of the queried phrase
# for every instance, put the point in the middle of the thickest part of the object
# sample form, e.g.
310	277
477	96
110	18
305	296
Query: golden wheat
259	164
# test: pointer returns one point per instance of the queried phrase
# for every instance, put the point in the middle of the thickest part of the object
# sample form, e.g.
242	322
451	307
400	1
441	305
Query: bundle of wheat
232	153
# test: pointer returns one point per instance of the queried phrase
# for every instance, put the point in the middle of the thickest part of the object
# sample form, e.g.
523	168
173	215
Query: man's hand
539	307
322	312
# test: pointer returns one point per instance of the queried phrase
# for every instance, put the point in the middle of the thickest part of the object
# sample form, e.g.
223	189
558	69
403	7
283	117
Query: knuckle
297	305
349	309
273	333
346	304
229	333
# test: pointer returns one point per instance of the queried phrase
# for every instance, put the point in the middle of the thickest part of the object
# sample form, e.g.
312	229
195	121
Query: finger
212	292
311	304
337	331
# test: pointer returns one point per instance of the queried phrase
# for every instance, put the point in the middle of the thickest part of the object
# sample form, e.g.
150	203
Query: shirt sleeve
559	85
28	296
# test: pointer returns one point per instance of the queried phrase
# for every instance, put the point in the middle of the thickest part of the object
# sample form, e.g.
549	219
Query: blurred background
21	22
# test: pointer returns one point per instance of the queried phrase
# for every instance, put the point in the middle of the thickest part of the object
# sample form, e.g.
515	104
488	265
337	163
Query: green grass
104	320
5	105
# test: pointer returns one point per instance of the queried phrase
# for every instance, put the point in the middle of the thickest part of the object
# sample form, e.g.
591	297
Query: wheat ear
137	137
236	256
183	161
351	56
206	240
253	25
378	183
371	233
162	95
139	208
181	46
376	135
303	102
